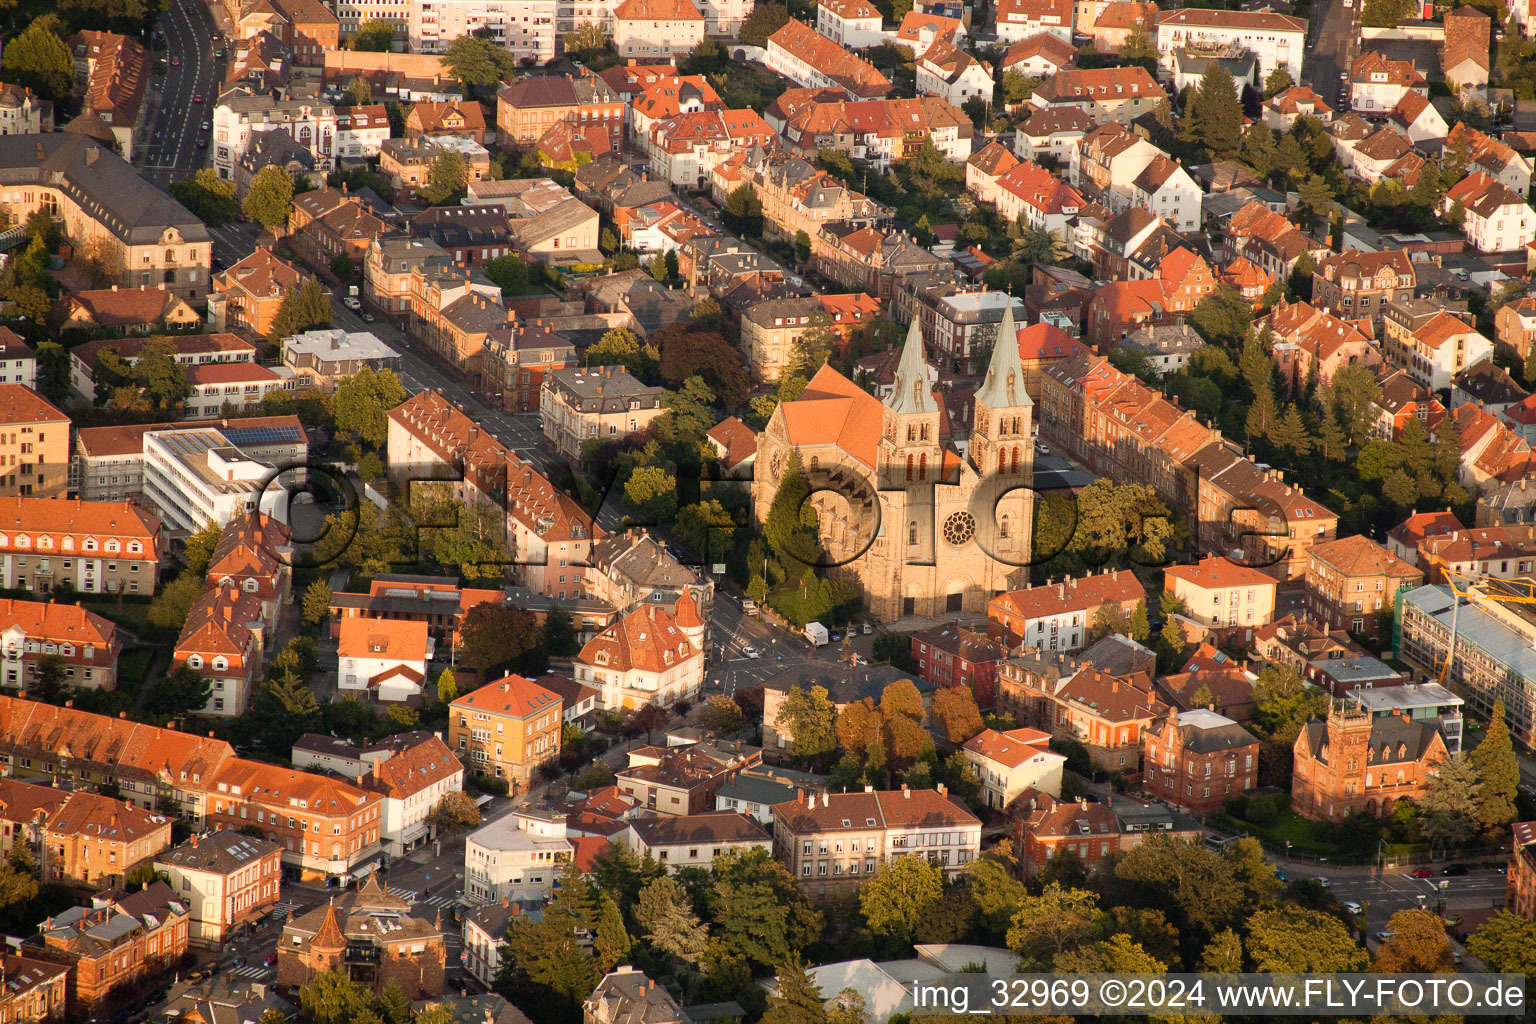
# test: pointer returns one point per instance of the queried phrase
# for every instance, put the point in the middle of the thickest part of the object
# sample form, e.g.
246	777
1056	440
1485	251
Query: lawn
1304	835
134	615
131	668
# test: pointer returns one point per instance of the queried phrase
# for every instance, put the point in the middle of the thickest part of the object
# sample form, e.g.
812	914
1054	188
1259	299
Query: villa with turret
925	529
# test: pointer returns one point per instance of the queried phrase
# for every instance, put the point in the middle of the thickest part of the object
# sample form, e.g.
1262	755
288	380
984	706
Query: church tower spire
911	393
910	452
1002	421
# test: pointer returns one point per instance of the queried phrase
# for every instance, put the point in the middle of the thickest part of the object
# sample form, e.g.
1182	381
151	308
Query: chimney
943	790
906	794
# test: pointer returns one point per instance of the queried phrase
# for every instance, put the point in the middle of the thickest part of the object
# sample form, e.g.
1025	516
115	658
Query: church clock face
776	467
959	528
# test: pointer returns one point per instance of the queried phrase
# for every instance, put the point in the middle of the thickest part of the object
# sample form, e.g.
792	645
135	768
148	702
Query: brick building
79	837
680	781
1193	760
227	878
369	935
1058	616
113	946
1352	580
35	990
1044	826
951	655
1356	761
1521	887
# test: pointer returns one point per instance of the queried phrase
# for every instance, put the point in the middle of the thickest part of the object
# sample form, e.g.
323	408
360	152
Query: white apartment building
1021	19
1008	763
1167	190
525	27
1495	219
412	783
193	477
515	857
1276	40
678	841
218	388
239	114
851	23
360	131
384	659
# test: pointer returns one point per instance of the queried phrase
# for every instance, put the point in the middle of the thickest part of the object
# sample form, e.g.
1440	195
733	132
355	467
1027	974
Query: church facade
925	529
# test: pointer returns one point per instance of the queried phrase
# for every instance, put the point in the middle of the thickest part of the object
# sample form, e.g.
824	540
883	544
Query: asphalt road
1332	47
175	123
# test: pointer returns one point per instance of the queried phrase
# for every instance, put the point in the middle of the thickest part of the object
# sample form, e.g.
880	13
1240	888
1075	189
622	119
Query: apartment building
34	444
1351	581
602	403
1359	285
328	828
1495	218
519	856
526	28
413	781
1221	592
87	644
851	23
770	330
99	547
113	945
506	729
809	59
228	880
1108	94
951	655
80	838
35	990
1058	616
694	840
653	655
1194	760
196	477
682	780
223	640
531	106
101	200
1277	41
1009	762
833	842
656	29
254	288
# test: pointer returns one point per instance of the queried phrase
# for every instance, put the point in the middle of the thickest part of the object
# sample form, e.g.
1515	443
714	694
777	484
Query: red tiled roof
1218	571
510	695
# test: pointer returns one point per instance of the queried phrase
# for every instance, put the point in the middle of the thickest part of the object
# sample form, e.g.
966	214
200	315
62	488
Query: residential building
1195	760
518	856
1021	19
650	656
80	838
1356	762
851	23
604	403
682	780
1419	702
196	477
1438	349
99	547
685	150
412	781
950	655
225	390
1012	761
18	363
1351	581
1106	94
36	990
1282	109
633	568
1494	157
327	223
1221	592
1359	285
115	944
694	840
139	310
407	163
322	357
22	112
329	829
770	330
223	640
518	358
186	349
1058	616
652	29
384	659
1465	56
1377	84
626	995
530	107
1311	344
344	936
946	71
239	114
1495	218
526	28
506	729
253	290
87	644
1521	887
114	73
1277	41
1044	827
462	118
807	58
845	684
228	880
1038	56
1105	710
101	200
833	842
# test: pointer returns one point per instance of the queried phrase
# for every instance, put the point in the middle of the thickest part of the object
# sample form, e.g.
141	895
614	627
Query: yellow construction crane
1489	588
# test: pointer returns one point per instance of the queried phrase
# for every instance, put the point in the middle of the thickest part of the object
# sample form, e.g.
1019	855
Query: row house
1376	84
807	58
1439	348
1269	241
1496	552
1495	218
453	313
1352	580
117	944
669	97
549	536
79	838
1016	20
684	150
873	261
1060	616
984	167
881	131
1108	94
87	644
97	547
307	27
1359	285
412	783
228	880
832	842
328	223
1491	453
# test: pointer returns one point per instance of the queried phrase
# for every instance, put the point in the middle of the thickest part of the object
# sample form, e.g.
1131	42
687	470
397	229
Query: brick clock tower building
925	530
1357	762
370	936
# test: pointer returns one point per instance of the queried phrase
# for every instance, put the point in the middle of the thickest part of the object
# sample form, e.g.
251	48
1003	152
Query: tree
509	273
809	718
304	308
1295	940
1416	944
53	379
363	401
611	941
317	603
210	198
269	197
802	247
759	912
955	714
687	351
447	687
707	528
1057	920
447	175
374	36
894	899
620	347
743	210
1448	809
1119	954
670	924
996	888
1316	199
285	710
1203	891
1278	81
333	998
1498	773
179	692
797	999
652	492
160	376
494	635
764	21
723	716
1353	391
478	62
38	59
170	607
560	632
1222	317
1214	119
1139	44
1506	942
1386	13
455	812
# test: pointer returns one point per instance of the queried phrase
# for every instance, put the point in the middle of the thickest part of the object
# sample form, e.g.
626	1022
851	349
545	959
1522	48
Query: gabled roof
511	695
1215	571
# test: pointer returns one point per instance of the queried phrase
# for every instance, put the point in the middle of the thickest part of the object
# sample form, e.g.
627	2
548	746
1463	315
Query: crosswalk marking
253	971
416	899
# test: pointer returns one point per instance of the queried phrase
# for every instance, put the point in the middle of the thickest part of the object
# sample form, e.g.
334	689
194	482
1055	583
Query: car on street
175	62
751	652
1454	869
835	636
197	97
868	629
270	960
1322	882
367	317
1282	875
202	143
207	126
1423	873
352	302
219	54
1384	936
1042	449
1352	907
218	263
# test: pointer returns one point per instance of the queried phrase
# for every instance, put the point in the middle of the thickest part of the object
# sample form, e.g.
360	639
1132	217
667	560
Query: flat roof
336	344
1412	695
190	448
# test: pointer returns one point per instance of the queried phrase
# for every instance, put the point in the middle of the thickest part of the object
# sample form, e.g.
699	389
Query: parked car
367	317
175	62
352	302
270	960
1042	449
1384	936
197	97
835	636
1352	907
868	629
1423	873
751	652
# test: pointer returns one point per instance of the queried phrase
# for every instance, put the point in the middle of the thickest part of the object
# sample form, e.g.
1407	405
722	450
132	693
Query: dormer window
220	663
90	544
194	661
113	546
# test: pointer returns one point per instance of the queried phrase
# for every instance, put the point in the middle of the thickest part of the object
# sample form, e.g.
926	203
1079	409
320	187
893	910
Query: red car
1423	873
197	98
